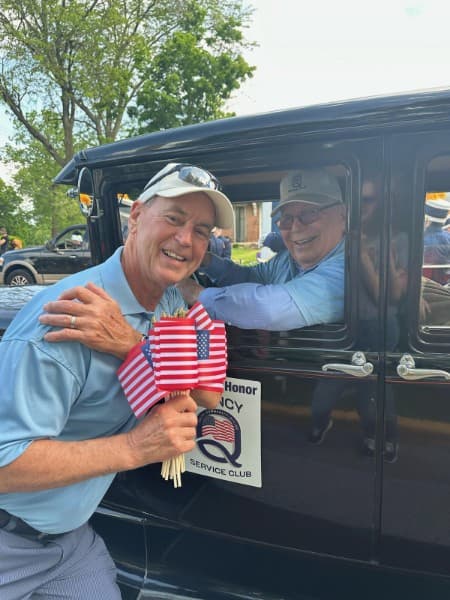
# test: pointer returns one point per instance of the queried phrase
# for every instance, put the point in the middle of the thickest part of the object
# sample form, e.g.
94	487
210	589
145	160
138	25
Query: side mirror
49	245
85	192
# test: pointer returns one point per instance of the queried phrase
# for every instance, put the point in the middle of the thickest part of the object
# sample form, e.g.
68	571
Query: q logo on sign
218	430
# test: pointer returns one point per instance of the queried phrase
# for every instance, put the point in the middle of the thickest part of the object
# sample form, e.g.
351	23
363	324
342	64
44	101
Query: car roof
361	115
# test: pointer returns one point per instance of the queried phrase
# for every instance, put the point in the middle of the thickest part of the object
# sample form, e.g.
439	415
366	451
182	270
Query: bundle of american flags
181	353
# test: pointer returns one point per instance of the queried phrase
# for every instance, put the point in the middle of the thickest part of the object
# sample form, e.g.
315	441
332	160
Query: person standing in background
4	239
219	244
16	243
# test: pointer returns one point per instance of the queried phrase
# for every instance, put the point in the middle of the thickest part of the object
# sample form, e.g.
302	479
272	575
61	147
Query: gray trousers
75	566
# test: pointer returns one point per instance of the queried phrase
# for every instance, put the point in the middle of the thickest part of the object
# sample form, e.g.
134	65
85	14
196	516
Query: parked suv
361	508
67	253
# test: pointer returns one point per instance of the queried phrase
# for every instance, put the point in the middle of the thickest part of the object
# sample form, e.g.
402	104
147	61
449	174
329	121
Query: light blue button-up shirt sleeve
289	301
253	306
225	272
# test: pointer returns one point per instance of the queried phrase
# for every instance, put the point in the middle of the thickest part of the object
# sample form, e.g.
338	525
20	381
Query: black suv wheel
19	277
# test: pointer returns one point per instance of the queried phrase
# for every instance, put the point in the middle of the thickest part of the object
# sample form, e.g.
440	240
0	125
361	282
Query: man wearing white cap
66	427
302	285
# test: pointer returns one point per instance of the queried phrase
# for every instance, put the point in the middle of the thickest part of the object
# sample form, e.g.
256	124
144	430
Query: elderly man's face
308	244
168	239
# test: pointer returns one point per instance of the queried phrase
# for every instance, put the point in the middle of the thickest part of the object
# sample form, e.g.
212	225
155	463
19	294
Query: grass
244	255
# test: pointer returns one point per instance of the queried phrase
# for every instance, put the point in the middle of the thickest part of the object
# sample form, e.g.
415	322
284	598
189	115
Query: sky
319	51
311	52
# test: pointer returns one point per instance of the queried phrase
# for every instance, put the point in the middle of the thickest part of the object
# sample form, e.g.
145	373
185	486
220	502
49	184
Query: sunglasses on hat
189	174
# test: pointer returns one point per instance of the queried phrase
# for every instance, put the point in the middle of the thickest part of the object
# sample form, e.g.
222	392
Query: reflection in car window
435	286
72	240
436	238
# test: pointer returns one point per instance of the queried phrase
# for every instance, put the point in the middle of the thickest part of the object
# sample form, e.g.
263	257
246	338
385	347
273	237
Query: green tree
13	216
49	208
71	69
195	71
84	61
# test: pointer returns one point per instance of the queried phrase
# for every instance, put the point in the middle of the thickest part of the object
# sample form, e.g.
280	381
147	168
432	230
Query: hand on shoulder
90	316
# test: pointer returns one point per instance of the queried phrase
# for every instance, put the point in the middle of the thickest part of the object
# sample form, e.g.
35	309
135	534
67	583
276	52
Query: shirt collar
116	285
299	270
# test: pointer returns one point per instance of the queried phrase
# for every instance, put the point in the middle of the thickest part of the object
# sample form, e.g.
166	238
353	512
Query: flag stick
172	468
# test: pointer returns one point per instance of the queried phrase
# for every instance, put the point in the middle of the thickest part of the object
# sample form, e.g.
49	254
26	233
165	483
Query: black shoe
390	452
368	446
316	435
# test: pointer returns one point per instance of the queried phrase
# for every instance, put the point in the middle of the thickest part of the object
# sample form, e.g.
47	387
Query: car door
318	492
416	488
315	495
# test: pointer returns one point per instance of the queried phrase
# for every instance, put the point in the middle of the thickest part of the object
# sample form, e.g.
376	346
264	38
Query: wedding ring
72	321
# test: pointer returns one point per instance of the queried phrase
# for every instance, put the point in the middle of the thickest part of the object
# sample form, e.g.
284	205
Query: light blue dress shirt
277	295
64	391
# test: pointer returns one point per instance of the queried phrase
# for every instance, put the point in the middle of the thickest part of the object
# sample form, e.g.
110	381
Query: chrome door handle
406	369
359	367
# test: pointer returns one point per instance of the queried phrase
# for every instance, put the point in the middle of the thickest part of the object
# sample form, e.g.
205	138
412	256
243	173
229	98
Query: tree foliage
12	214
50	210
195	71
84	61
77	73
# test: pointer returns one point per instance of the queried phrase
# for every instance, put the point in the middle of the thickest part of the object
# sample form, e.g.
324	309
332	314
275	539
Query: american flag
212	357
137	379
174	350
180	354
219	429
200	316
211	349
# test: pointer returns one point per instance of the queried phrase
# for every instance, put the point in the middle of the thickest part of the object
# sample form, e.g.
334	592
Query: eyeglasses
306	217
190	174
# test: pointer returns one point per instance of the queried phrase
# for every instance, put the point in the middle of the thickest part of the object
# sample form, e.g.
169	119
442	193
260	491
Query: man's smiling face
309	244
168	239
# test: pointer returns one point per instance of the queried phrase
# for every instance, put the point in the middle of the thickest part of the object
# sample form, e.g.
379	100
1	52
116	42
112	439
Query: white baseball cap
177	179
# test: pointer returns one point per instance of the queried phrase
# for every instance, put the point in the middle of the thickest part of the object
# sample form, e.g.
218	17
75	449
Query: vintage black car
283	515
66	253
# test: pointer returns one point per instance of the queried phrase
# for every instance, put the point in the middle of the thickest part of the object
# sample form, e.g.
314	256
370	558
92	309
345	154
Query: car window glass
258	238
75	239
125	202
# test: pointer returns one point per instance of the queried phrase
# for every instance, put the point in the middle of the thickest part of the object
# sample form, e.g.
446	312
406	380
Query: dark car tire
19	277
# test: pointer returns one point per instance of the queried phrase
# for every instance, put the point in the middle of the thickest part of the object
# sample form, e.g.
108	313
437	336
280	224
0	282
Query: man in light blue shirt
65	425
75	394
302	285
